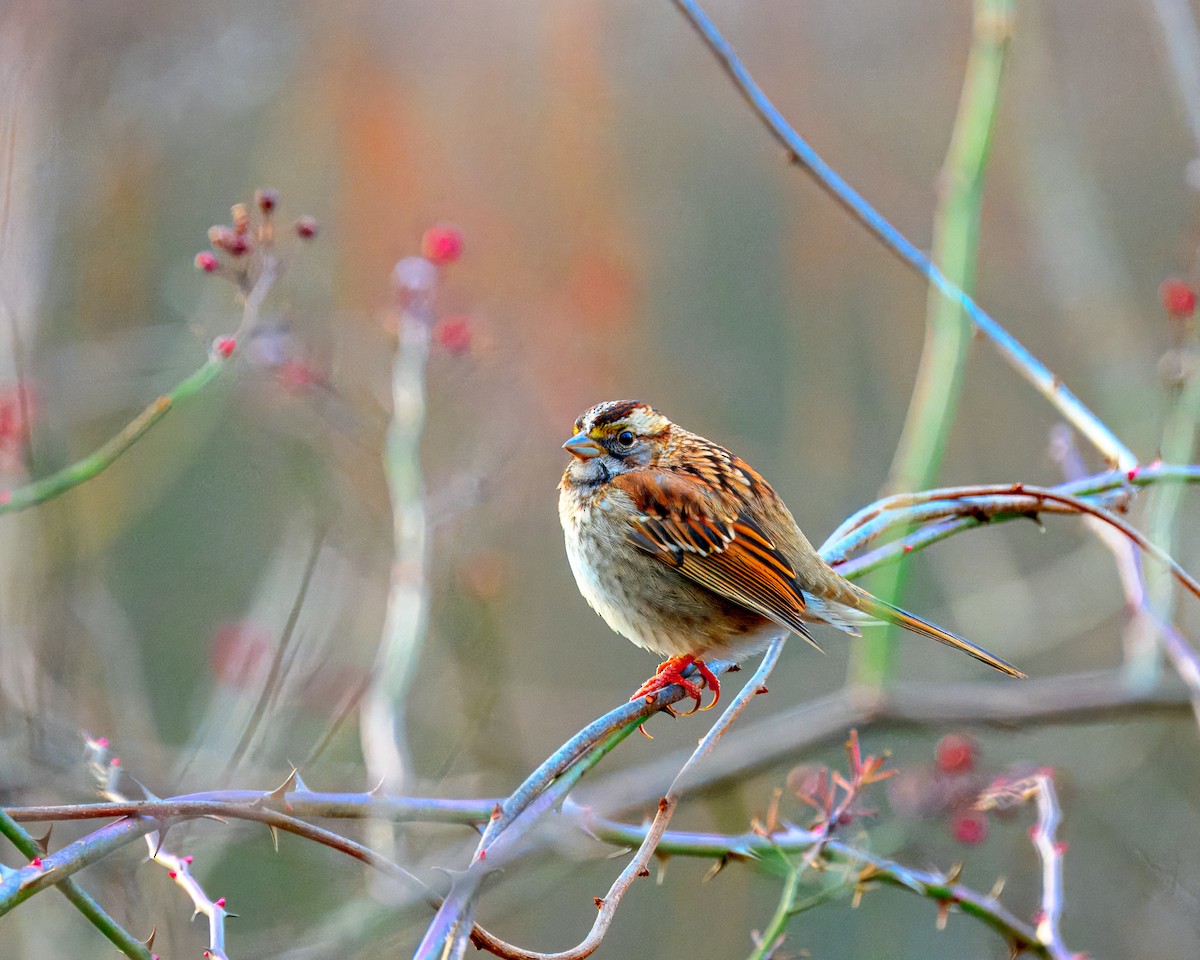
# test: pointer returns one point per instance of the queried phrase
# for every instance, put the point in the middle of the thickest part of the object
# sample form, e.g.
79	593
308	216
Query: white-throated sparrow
687	551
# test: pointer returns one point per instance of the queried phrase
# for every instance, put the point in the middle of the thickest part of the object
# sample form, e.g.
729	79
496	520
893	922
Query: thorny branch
1040	787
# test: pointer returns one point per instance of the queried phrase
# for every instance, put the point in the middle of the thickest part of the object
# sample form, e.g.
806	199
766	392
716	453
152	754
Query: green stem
779	920
948	331
1178	445
124	941
39	491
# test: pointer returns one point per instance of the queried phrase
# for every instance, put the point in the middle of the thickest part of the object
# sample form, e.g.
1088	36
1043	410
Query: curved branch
1026	364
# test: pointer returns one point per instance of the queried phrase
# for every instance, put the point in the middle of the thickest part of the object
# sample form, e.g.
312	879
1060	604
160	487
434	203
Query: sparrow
686	550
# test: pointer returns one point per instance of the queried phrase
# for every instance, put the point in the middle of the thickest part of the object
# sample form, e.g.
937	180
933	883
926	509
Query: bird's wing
680	522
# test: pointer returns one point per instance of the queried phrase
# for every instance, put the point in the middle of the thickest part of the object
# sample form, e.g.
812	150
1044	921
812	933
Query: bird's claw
670	673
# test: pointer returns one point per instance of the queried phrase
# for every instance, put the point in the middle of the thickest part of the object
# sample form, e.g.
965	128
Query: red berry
1177	297
442	244
306	228
970	827
454	333
956	753
207	261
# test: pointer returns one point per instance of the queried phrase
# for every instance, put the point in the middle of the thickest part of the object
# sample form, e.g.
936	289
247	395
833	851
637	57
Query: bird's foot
670	672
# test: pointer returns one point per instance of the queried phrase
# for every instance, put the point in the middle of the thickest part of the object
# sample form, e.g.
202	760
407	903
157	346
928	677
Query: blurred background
629	231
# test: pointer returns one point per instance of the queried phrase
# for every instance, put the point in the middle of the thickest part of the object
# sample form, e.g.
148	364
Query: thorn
146	791
149	941
497	812
161	836
377	790
43	842
662	870
997	888
717	867
274	836
642	730
281	791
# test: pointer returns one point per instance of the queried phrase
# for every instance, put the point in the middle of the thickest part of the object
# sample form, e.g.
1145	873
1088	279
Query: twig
1145	619
121	938
1043	380
108	772
1040	787
59	482
1077	698
95	463
1178	446
383	729
639	865
979	496
873	868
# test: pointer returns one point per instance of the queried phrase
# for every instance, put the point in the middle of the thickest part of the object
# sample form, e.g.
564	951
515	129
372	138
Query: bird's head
614	437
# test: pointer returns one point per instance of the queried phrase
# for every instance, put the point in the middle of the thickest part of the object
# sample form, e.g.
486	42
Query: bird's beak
583	447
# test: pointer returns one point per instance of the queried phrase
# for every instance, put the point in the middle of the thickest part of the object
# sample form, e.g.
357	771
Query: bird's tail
883	610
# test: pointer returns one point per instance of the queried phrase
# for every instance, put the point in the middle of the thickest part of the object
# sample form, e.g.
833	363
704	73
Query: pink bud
442	244
207	261
36	863
266	200
102	742
306	228
224	347
221	902
1177	298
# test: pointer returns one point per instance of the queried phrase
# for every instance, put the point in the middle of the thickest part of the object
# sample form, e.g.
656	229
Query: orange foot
670	672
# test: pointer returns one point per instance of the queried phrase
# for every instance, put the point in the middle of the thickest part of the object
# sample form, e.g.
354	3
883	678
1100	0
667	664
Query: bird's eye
625	438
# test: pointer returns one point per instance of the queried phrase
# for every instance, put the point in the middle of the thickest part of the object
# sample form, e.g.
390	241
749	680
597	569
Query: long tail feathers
902	618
